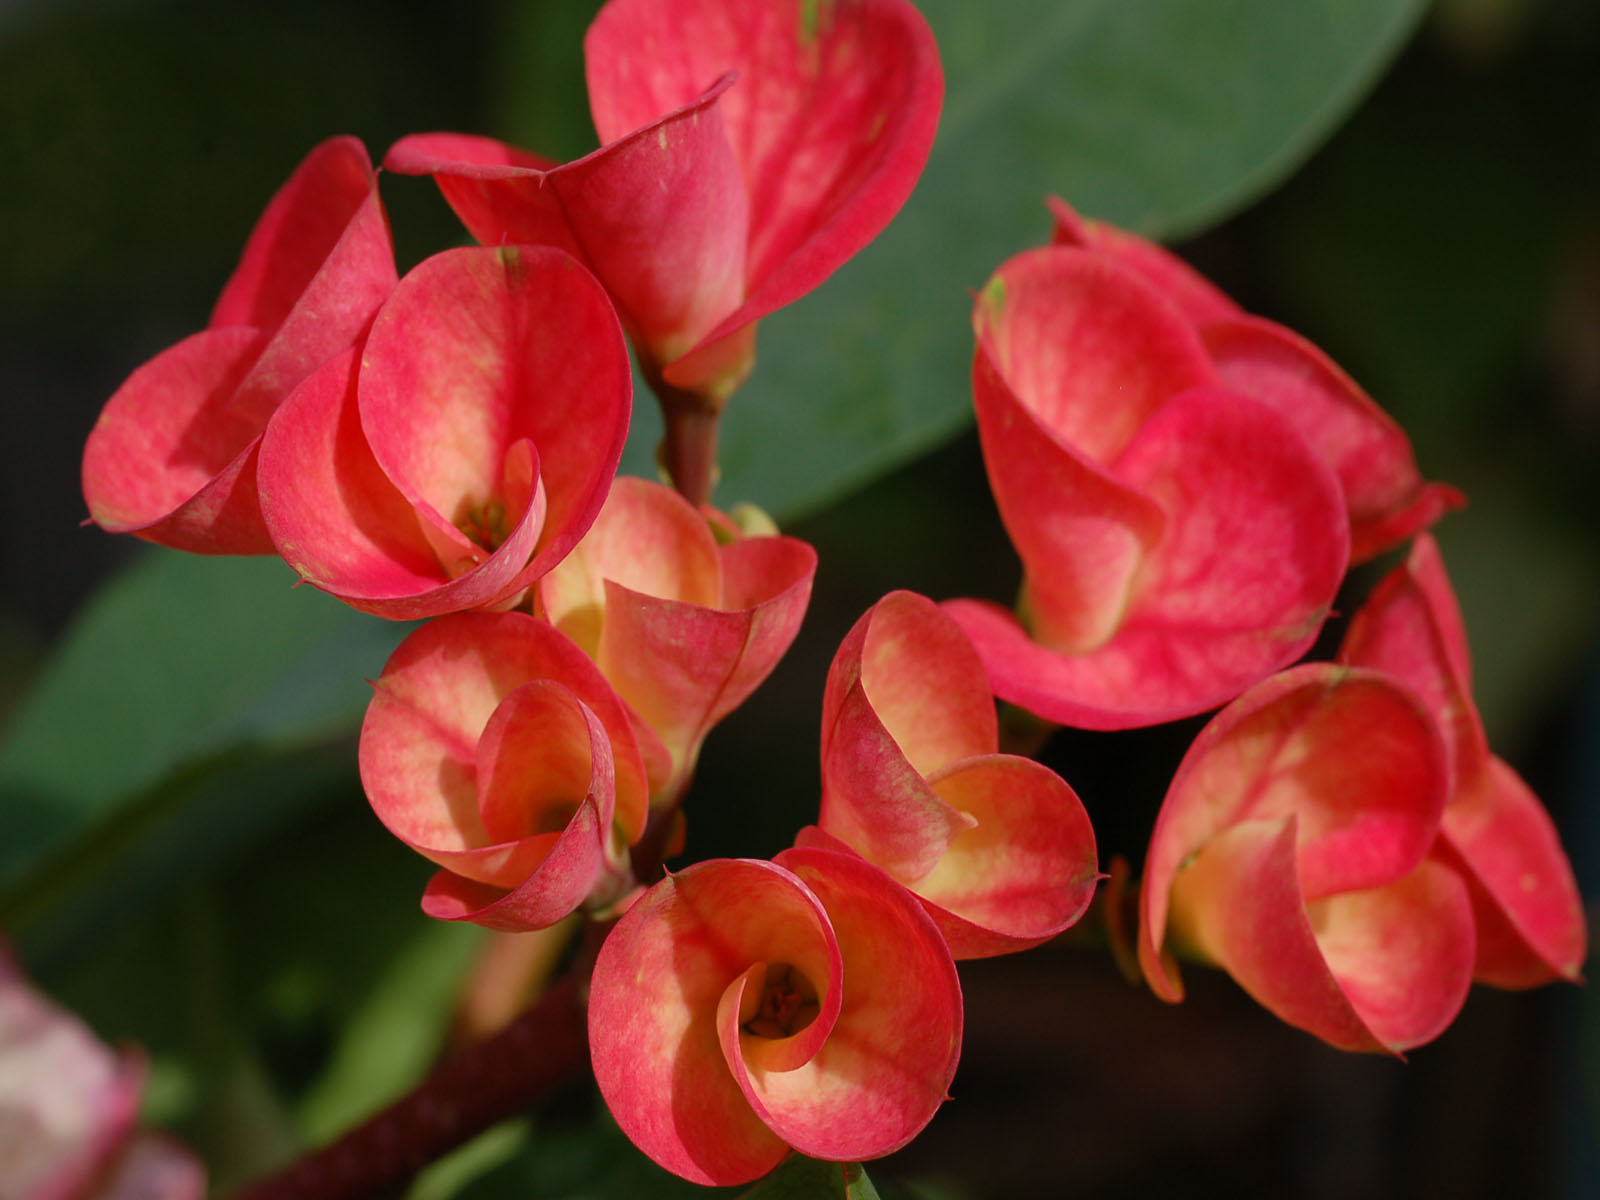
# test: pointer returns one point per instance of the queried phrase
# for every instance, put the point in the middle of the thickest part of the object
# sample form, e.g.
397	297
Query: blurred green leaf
801	1178
591	1160
1162	116
179	668
389	1042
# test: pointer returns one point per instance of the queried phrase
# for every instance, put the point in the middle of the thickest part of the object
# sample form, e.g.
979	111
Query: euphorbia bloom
1387	498
742	1008
998	848
68	1109
466	447
173	455
749	148
1530	918
685	628
1179	541
494	748
1291	850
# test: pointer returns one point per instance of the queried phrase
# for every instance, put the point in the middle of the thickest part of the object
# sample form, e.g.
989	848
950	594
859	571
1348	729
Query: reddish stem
689	450
543	1049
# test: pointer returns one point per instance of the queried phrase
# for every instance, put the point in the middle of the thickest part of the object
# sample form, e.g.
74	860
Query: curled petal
658	214
1196	296
646	538
886	1065
1024	872
491	403
830	120
906	696
334	516
173	456
1086	346
1241	581
1383	968
437	696
497	190
169	460
654	998
1350	755
1411	628
1531	927
320	212
1081	533
684	629
566	870
1387	498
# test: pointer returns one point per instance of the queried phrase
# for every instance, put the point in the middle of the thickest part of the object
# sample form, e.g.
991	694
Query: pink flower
1179	541
685	628
749	148
742	1008
1387	499
1292	851
68	1109
466	447
1530	920
998	848
173	455
494	748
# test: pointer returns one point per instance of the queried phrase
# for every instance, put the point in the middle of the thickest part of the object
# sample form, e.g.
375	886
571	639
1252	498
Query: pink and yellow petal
647	538
657	984
1082	534
1349	755
874	799
565	870
1381	969
437	694
1088	347
1024	872
542	755
332	512
887	1064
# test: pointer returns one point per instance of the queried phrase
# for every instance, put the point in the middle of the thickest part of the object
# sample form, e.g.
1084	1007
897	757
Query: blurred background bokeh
264	944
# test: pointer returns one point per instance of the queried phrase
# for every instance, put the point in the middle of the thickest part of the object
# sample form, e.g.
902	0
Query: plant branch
543	1049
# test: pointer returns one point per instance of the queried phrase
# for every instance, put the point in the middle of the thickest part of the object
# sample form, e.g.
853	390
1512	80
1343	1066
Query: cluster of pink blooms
1185	484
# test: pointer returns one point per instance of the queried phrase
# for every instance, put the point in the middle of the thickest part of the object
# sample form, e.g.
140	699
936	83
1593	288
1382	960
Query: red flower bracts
1179	541
1387	499
173	455
749	148
1530	920
1292	850
741	1008
466	447
997	847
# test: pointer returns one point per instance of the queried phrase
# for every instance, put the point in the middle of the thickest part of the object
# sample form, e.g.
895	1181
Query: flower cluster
1186	486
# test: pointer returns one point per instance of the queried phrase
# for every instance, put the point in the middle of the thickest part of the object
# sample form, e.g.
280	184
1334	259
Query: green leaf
1163	116
180	667
390	1040
801	1178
